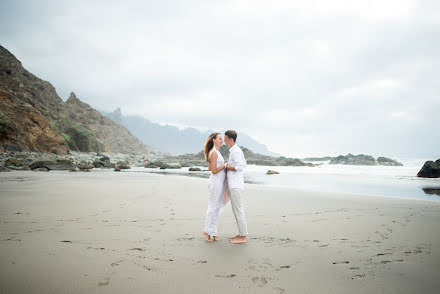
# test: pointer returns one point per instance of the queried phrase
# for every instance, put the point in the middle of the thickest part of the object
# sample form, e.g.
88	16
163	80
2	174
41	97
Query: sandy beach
107	232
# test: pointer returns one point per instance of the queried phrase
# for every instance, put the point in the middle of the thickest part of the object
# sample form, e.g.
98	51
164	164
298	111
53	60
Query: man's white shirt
237	160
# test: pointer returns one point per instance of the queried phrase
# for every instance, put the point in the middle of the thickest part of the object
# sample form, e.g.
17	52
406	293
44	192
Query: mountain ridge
169	138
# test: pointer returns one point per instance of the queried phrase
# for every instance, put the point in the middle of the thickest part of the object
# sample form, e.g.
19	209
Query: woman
218	191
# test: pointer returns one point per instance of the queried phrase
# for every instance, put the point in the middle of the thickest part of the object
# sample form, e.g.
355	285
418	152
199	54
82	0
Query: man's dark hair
231	134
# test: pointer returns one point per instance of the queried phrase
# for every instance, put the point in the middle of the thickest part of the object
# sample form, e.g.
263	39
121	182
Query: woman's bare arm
213	163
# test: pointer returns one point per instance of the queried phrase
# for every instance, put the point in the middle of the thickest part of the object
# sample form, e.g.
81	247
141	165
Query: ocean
388	181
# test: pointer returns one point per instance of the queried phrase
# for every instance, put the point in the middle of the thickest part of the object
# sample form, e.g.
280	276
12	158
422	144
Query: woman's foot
235	237
216	238
208	238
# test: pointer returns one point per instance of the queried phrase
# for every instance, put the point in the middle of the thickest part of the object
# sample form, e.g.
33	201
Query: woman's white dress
219	195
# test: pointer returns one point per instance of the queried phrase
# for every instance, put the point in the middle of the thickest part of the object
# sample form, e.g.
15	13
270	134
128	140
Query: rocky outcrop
431	169
82	161
24	128
48	124
16	164
325	158
198	159
57	164
388	161
351	159
362	159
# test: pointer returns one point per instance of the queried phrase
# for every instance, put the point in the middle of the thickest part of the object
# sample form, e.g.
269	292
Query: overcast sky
303	77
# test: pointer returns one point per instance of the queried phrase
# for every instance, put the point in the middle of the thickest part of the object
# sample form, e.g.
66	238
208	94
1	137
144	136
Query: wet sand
108	232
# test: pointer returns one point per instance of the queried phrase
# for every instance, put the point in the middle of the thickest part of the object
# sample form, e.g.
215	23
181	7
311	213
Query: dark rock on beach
57	164
150	165
431	169
103	162
171	166
272	172
4	169
45	169
122	165
431	191
194	169
84	166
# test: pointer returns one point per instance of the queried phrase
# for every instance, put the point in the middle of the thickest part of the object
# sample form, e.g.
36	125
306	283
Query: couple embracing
226	184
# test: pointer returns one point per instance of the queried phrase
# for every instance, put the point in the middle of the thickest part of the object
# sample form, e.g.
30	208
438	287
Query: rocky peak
73	99
116	115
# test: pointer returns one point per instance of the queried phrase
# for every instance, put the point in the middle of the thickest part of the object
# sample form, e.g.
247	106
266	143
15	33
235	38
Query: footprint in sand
358	276
225	276
340	262
105	282
259	281
138	248
117	262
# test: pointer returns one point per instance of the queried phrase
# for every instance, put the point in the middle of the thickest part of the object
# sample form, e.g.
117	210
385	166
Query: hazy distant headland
168	138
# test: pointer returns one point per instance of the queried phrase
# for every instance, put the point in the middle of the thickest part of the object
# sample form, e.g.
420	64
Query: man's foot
208	238
235	237
216	238
240	239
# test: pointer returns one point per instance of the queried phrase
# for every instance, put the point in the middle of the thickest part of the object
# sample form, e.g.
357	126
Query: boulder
150	165
84	166
4	169
123	165
431	169
15	164
431	191
117	169
41	169
194	169
103	162
171	166
272	172
53	164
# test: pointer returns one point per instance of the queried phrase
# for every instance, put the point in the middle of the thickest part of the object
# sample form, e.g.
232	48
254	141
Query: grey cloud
299	76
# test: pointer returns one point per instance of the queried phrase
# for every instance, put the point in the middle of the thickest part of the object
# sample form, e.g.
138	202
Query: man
235	167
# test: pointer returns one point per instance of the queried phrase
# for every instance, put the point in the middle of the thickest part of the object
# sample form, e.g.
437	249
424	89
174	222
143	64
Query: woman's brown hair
209	144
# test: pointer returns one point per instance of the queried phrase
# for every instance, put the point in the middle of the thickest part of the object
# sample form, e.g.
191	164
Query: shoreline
205	175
